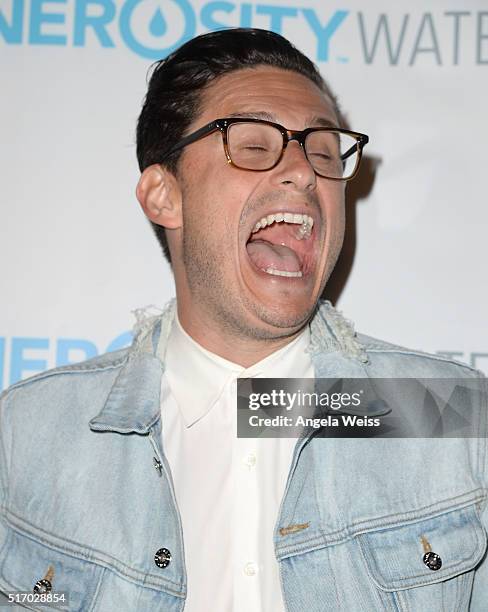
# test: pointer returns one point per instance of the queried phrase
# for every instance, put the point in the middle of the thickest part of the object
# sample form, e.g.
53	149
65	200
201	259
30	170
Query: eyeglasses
259	145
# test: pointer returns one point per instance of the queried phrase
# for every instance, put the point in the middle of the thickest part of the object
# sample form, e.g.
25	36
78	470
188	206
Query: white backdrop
77	253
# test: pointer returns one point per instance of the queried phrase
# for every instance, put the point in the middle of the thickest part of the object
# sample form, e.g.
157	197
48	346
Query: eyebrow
315	121
323	122
255	115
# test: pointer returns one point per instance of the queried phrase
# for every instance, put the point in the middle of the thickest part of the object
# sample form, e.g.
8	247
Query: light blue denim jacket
85	488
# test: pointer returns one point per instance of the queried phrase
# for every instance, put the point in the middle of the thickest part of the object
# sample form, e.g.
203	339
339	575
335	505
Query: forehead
286	96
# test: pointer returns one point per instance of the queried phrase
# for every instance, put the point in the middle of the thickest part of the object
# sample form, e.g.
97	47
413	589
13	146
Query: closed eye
256	148
320	155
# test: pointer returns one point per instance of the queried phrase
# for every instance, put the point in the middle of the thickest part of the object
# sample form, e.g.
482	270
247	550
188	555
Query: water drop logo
158	25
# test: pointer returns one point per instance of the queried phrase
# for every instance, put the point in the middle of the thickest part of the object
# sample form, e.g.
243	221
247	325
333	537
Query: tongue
266	255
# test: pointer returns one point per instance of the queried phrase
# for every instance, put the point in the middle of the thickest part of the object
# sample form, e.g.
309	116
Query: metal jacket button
162	557
45	584
42	586
432	561
157	464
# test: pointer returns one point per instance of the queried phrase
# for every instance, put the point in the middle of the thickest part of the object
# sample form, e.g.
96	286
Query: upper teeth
280	217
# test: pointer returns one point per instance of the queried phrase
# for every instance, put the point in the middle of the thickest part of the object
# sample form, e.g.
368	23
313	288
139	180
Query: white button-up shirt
228	489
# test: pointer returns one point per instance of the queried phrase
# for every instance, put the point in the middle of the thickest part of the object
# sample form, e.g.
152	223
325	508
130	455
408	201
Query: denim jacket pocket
90	584
428	564
24	562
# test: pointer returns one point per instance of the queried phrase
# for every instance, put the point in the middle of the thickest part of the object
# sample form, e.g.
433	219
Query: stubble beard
212	292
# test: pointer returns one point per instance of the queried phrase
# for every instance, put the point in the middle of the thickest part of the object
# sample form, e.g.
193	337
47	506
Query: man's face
221	276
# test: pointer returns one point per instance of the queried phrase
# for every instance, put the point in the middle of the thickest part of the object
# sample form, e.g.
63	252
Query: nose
294	170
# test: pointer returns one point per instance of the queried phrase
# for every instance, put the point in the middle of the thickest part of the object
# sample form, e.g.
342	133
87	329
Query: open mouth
282	244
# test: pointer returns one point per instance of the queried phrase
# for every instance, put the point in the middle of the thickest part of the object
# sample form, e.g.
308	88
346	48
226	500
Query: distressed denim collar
133	404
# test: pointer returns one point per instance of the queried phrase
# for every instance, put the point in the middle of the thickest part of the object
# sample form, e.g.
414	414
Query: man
122	482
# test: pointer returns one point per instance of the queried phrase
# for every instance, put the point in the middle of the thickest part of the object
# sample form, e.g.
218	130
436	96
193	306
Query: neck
244	351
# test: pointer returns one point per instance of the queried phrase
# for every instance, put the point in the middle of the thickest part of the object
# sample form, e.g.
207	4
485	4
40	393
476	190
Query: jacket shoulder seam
405	351
79	368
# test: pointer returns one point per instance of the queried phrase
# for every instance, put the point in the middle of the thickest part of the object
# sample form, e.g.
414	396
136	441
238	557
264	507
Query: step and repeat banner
77	254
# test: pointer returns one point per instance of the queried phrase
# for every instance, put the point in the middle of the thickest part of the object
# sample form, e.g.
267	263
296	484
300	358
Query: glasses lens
254	146
332	154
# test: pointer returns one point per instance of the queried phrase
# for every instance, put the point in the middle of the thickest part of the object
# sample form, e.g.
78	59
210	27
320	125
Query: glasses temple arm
350	151
186	140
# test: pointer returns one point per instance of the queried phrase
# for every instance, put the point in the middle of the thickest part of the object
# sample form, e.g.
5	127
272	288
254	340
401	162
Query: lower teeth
282	272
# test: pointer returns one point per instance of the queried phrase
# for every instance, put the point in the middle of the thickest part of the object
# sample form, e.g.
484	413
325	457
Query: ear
159	195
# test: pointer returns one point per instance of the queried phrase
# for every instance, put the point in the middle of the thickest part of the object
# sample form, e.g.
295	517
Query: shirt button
162	557
251	569
250	460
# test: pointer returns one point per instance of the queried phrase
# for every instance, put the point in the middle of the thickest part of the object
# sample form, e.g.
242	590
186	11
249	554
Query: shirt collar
197	377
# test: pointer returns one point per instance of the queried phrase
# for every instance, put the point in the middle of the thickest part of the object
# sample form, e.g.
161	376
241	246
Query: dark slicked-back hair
177	83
